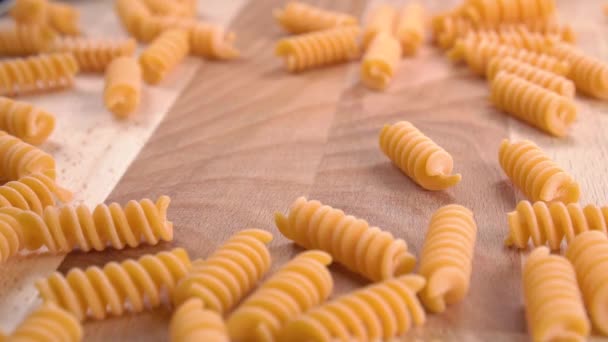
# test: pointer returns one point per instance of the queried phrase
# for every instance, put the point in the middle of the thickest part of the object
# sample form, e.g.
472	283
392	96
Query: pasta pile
299	17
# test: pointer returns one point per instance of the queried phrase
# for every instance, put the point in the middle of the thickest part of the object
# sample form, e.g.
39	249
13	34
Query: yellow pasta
30	11
34	74
410	27
191	322
170	8
381	19
19	159
94	54
34	193
47	323
517	36
122	91
535	174
303	283
554	307
317	49
131	14
546	79
231	272
368	251
22	40
446	257
532	103
377	312
425	162
10	233
26	122
163	55
380	61
497	11
211	41
63	18
96	292
588	253
298	17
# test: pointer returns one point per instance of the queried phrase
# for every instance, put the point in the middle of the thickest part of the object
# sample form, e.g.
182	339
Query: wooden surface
246	138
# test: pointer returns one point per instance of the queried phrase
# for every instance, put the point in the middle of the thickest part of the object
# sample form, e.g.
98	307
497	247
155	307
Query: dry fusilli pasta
298	17
425	162
94	54
380	61
169	8
131	13
163	55
212	41
533	103
303	283
191	322
410	27
494	12
26	122
30	12
535	174
96	291
554	307
19	159
377	312
63	18
369	251
517	36
10	233
23	40
34	193
47	323
122	91
381	19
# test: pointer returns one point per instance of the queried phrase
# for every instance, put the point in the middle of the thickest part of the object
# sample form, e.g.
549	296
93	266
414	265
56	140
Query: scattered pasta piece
64	18
517	36
10	233
26	122
232	271
446	257
381	19
380	61
163	55
96	292
131	14
410	27
495	12
451	28
554	307
546	79
377	312
170	8
47	323
20	159
30	12
122	92
317	49
33	193
298	17
551	223
301	284
211	41
368	251
425	162
35	74
191	322
532	103
535	174
94	54
23	40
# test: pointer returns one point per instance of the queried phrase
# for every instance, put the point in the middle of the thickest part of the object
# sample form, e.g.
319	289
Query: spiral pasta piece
303	283
377	312
33	193
426	163
317	49
30	12
368	251
231	272
447	256
493	11
554	307
170	8
381	19
163	55
517	36
94	54
19	159
131	14
39	73
96	292
533	104
21	119
535	174
380	61
47	323
410	27
212	41
64	18
191	322
298	17
122	91
10	233
23	40
546	79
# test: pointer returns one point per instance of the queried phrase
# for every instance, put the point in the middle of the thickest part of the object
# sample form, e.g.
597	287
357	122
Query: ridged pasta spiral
212	41
23	40
97	292
517	36
122	90
493	11
317	49
425	162
532	103
163	55
410	27
64	18
131	13
368	251
47	323
39	73
10	233
301	284
298	17
380	61
34	193
554	307
450	29
535	174
588	73
231	272
377	312
19	159
63	229
169	8
26	122
191	322
588	253
381	19
546	79
95	54
447	256
30	12
550	223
